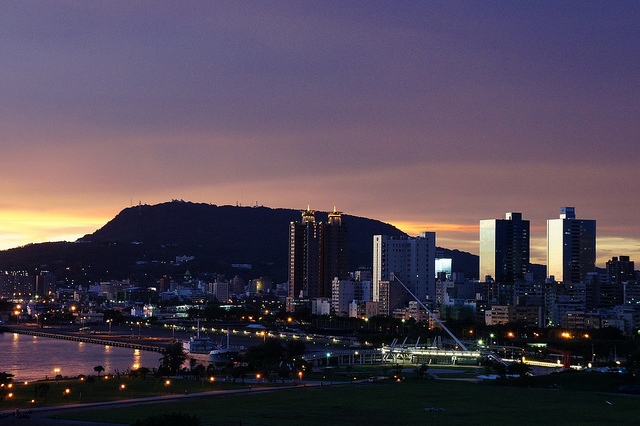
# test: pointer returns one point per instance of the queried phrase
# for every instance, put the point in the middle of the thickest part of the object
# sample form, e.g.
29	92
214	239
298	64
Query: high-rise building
304	254
602	292
237	285
318	253
344	292
45	284
504	248
411	259
221	291
621	270
571	247
334	252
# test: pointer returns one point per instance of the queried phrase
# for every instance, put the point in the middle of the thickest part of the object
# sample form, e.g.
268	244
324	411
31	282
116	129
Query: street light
109	322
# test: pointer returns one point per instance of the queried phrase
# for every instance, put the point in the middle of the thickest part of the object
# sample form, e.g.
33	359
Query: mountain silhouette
142	243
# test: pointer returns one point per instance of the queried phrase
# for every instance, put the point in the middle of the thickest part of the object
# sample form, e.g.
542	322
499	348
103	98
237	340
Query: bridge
87	339
396	355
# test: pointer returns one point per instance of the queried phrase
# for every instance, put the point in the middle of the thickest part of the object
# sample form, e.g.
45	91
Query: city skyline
430	116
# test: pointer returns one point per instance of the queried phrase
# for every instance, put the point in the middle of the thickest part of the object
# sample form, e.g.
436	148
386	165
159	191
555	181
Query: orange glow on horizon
19	228
414	228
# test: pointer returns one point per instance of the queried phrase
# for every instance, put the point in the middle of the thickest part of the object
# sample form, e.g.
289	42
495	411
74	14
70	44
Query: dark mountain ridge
142	242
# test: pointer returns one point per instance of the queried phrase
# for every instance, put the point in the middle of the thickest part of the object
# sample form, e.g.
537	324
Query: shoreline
148	339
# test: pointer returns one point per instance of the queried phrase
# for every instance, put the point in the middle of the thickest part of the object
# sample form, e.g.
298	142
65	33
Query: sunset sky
429	115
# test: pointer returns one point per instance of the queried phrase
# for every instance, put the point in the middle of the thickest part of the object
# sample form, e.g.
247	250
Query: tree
213	311
519	368
295	348
6	377
500	369
143	371
275	356
115	317
40	391
199	370
422	371
91	380
239	372
267	356
396	368
98	369
283	372
173	356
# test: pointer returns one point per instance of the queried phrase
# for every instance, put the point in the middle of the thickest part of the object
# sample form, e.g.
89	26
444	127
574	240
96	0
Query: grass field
585	398
75	391
390	403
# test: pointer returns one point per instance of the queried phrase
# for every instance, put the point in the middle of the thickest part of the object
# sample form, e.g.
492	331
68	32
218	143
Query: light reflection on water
34	358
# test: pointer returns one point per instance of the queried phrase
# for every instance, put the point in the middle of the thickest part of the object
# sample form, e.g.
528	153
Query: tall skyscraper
334	252
318	253
504	248
571	247
411	259
304	256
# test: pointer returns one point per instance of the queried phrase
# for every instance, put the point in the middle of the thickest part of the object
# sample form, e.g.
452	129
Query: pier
87	339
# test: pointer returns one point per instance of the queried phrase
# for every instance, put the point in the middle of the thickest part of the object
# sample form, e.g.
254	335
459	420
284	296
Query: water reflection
34	358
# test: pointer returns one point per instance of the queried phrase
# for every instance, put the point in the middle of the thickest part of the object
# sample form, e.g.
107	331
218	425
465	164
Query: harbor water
36	358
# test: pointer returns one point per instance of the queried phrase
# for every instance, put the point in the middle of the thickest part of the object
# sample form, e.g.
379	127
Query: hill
142	243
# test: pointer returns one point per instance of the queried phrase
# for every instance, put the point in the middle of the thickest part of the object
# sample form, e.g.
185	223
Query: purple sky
429	115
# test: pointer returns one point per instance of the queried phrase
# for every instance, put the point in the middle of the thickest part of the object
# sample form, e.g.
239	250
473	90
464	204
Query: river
34	358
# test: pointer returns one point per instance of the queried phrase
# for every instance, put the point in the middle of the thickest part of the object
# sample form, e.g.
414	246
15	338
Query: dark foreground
407	402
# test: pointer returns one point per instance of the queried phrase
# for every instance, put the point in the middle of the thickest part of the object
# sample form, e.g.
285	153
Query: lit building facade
318	253
411	259
504	248
304	255
571	247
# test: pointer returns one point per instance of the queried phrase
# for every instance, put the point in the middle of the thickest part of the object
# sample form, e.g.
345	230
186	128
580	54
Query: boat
224	353
197	344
